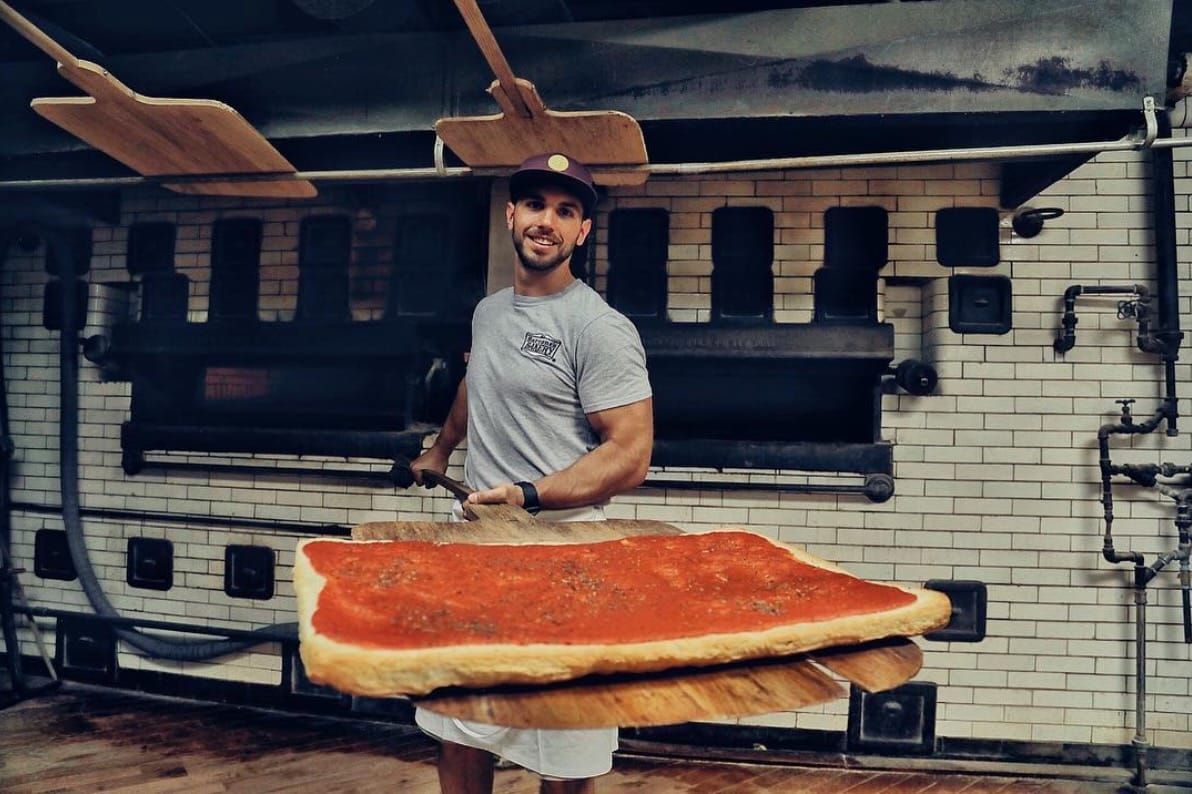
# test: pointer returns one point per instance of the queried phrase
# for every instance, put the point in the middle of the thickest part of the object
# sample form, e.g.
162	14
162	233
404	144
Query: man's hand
504	494
450	435
433	459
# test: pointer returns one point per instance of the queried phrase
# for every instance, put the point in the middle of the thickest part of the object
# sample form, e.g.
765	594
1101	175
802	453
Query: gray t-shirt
538	366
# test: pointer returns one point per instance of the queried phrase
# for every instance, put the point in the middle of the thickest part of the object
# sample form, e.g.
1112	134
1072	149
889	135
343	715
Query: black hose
157	647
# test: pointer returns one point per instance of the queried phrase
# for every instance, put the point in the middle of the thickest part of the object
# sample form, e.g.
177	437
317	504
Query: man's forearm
606	471
455	426
618	464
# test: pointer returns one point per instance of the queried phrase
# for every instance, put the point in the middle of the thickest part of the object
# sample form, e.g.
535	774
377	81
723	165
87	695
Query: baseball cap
557	169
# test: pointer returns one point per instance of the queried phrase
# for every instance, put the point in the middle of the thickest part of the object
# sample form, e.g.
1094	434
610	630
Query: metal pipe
286	632
1168	335
1185	558
1128	143
1067	338
1140	743
189	519
1165	340
1126	426
1142	573
1182	553
1145	475
10	585
7	590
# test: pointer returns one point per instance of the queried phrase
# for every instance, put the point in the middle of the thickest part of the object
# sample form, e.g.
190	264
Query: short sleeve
610	364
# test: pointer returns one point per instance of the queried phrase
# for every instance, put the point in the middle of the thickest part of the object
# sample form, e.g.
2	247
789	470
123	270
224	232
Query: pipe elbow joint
1064	342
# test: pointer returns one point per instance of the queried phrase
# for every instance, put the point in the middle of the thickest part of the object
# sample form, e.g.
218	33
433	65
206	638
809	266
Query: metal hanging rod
1132	142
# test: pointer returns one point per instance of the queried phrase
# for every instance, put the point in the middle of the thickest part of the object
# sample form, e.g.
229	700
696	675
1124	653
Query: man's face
547	224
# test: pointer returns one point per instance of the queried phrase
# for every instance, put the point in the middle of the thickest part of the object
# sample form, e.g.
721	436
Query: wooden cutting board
691	694
525	127
688	695
495	528
640	700
160	137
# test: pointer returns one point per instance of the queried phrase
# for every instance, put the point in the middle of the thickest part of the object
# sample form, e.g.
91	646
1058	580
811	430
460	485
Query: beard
541	263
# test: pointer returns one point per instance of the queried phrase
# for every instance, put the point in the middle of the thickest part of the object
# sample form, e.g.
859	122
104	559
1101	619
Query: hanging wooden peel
525	126
741	689
160	137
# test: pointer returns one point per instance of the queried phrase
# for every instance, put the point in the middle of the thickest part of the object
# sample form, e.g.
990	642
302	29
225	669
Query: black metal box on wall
85	650
74	242
150	563
295	681
52	305
845	296
969	606
967	237
51	555
150	248
248	572
980	304
856	238
165	297
897	721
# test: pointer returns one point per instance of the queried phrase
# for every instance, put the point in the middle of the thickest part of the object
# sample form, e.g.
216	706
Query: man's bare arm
455	428
618	464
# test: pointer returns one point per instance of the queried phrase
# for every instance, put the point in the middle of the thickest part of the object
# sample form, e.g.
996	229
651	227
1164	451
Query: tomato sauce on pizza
415	594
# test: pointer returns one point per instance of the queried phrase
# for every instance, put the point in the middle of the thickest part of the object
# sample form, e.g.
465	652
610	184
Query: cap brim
523	180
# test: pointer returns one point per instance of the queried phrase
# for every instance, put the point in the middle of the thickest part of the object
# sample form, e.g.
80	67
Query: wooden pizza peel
525	126
160	137
642	699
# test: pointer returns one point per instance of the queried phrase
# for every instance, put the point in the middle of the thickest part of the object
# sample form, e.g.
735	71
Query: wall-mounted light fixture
1028	222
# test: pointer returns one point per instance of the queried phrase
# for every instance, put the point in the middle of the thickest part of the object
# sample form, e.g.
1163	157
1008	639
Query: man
558	414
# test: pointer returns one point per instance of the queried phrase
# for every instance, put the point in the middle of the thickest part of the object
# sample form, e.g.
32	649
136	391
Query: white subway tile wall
996	473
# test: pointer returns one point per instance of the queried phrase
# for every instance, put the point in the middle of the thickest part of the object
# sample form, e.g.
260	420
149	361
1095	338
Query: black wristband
530	501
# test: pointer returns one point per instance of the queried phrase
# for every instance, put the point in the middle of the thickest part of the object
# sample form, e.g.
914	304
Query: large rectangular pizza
381	618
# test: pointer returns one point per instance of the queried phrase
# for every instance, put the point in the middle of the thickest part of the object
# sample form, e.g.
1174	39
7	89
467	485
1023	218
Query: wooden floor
92	740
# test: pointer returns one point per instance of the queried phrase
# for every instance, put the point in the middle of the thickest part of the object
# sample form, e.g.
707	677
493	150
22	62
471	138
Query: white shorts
567	755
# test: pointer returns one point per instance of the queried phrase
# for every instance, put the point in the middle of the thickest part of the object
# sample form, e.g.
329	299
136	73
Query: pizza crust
378	672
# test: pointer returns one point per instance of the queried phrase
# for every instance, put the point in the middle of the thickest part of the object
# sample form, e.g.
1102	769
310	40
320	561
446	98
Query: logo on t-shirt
540	346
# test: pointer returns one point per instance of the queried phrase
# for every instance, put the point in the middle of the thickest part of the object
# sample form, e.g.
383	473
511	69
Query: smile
542	240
